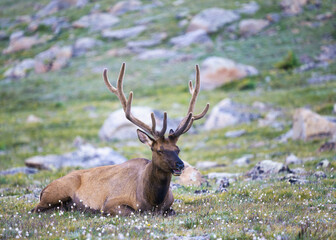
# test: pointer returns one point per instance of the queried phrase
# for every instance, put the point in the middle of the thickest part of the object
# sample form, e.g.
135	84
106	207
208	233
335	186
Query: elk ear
145	138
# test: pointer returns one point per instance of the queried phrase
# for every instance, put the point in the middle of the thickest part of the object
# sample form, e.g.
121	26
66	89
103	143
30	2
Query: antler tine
108	84
180	129
120	90
164	125
194	91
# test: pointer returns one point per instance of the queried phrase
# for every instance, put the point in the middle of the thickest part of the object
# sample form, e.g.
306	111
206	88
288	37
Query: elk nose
180	165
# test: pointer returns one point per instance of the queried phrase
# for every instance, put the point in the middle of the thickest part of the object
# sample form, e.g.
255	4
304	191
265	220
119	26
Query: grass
249	209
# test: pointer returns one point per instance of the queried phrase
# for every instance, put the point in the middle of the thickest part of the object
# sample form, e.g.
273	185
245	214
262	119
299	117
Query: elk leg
58	192
114	207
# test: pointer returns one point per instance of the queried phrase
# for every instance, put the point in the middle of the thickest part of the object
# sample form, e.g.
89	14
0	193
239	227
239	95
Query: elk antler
187	121
126	104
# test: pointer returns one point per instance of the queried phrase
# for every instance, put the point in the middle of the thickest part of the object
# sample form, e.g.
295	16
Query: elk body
136	185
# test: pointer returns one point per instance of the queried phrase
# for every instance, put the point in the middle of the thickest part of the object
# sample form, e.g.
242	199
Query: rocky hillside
261	164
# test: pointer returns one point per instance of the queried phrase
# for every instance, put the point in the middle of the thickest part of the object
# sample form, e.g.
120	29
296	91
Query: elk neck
156	183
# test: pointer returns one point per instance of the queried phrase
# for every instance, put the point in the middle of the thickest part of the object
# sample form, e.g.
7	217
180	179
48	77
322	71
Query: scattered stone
125	6
234	134
123	33
227	113
249	27
212	19
21	69
299	171
118	52
328	53
96	21
208	164
194	37
53	59
244	160
223	175
321	79
82	45
328	146
292	159
78	141
86	156
270	120
190	176
203	191
55	23
33	119
117	127
22	43
157	54
323	164
217	71
320	174
3	35
311	65
309	125
324	16
292	7
155	40
16	35
57	5
266	168
24	170
223	184
284	137
273	17
294	179
249	8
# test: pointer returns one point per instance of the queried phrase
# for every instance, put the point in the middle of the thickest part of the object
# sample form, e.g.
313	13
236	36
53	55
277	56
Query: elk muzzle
179	166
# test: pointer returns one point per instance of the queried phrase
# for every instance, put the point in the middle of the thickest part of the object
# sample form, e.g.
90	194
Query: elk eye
159	151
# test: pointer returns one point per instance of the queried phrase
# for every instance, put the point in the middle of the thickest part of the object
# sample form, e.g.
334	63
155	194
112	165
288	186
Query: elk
138	185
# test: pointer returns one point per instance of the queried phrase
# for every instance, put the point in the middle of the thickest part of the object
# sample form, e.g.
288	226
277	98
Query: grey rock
227	113
190	176
223	175
273	17
55	23
244	160
3	35
322	79
294	179
266	168
248	8
284	137
155	40
57	5
270	120
82	45
249	27
157	54
33	119
212	19
123	33
24	170
21	69
236	133
86	156
16	35
217	71
207	164
223	184
323	164
96	21
328	53
292	7
194	37
292	159
320	174
299	171
125	6
117	127
22	43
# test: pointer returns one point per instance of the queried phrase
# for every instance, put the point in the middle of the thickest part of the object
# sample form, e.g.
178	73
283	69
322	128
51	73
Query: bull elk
138	185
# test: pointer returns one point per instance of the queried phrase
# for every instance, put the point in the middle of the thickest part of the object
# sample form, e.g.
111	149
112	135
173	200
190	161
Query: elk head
164	149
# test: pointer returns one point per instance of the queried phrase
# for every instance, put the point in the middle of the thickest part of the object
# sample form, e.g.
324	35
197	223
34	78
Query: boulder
190	176
194	37
323	164
125	6
96	21
249	27
24	170
82	45
157	54
53	59
292	159
57	5
235	133
309	125
293	7
123	33
207	164
86	156
243	161
248	8
22	43
320	174
266	168
21	69
217	71
212	19
227	113
117	127
154	40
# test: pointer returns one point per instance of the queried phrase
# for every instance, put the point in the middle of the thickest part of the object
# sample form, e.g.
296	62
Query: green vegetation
249	209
